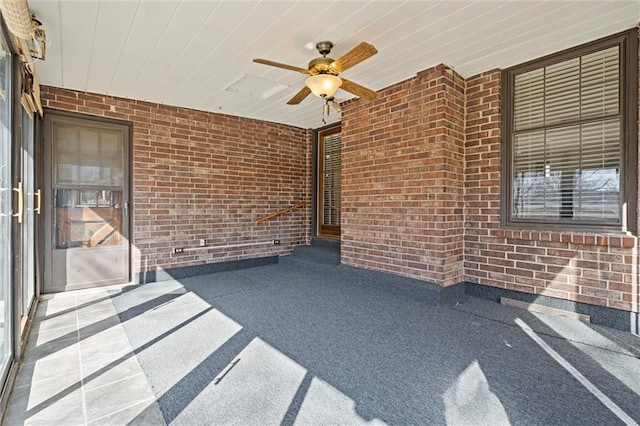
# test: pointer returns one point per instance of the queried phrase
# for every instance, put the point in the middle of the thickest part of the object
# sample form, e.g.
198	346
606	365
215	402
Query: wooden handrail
281	212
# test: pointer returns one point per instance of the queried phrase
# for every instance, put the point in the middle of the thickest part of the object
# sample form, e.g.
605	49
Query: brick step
318	254
326	242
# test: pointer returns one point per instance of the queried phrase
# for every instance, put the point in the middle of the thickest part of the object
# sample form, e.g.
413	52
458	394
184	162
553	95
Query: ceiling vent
255	86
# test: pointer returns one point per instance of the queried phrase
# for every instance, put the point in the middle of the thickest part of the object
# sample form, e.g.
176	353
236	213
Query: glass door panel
87	218
31	202
6	210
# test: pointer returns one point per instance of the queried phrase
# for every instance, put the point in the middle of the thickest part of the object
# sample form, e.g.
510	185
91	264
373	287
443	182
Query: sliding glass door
6	211
31	209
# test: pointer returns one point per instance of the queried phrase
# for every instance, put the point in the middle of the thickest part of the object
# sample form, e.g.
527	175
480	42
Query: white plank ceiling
186	52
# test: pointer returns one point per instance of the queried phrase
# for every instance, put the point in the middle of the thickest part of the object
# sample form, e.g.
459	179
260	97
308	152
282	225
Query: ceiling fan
323	72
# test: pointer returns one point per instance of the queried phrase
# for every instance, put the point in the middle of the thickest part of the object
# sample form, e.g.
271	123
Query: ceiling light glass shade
323	84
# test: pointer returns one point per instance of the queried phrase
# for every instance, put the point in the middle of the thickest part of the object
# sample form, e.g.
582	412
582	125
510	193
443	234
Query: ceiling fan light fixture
324	81
323	85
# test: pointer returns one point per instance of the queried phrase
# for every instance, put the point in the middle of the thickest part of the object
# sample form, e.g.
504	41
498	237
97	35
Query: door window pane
87	156
87	218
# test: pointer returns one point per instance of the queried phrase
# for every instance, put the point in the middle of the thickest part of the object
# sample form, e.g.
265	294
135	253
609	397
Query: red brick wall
402	178
203	175
584	267
403	167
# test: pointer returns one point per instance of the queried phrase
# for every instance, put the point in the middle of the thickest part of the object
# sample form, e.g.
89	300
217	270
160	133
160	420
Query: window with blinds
566	125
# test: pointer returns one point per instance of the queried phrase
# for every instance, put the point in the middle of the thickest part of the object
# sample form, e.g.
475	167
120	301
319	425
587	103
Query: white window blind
566	140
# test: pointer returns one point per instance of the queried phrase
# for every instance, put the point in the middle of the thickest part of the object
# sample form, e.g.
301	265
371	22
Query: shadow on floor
281	344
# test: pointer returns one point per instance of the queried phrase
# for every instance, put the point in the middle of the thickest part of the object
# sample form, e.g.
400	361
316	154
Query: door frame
317	181
47	196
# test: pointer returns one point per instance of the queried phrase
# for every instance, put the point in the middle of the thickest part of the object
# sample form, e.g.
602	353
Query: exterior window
569	138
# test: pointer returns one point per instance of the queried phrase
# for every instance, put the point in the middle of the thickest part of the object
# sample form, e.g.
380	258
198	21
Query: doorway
86	194
329	182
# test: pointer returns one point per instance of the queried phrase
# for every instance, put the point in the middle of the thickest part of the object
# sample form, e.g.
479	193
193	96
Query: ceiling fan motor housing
321	66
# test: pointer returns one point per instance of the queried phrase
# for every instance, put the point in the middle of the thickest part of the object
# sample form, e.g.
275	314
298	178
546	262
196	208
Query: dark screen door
87	201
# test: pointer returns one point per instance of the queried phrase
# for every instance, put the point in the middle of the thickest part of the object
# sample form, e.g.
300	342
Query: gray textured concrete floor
284	344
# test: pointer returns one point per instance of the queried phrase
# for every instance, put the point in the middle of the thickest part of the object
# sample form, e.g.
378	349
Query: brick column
402	179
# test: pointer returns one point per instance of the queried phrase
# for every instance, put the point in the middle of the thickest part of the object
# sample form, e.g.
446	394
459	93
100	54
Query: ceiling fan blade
361	91
303	93
353	57
279	65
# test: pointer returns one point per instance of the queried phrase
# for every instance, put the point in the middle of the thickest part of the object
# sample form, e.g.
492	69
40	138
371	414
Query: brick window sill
569	237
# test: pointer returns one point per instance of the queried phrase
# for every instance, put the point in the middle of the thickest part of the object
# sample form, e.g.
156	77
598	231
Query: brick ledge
593	239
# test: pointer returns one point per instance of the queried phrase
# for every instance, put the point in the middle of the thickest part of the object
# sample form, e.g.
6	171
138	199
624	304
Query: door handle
38	194
125	207
20	202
